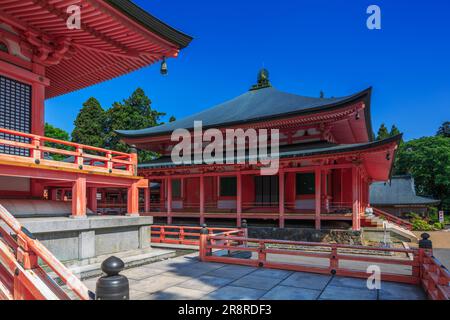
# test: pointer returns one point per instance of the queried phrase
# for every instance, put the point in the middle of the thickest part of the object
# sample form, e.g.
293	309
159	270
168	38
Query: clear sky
307	46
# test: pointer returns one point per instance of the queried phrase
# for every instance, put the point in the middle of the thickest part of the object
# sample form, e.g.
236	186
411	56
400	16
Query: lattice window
15	113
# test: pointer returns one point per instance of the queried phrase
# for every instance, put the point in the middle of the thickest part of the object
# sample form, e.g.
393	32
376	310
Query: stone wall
307	235
84	239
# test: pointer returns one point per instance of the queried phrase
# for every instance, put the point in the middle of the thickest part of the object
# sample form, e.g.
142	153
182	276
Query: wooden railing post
36	152
262	254
334	262
109	164
203	243
79	160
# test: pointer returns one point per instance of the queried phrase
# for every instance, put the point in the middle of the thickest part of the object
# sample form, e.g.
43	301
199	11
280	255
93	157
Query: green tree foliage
444	130
172	119
428	160
133	113
383	132
59	134
90	124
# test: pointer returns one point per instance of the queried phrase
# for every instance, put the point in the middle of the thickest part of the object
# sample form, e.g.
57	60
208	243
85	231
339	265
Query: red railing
413	266
435	278
186	235
21	277
71	155
391	218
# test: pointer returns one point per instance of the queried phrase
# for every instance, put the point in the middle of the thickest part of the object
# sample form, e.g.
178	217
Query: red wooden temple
40	58
328	159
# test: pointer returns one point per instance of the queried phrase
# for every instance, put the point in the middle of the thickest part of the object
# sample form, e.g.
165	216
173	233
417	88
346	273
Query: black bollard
113	286
425	242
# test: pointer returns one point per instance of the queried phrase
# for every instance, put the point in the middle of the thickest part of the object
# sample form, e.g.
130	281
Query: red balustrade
391	218
413	266
21	277
40	150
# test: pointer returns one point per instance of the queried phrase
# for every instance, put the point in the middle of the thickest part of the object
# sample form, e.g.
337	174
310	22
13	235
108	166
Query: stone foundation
308	235
83	239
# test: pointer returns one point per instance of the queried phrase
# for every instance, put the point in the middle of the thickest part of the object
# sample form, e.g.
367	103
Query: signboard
441	216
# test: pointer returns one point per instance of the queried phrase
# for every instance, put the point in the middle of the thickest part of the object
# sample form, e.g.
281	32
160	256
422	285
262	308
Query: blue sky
307	46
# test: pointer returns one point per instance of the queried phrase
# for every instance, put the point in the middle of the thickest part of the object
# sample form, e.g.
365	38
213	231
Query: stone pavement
185	278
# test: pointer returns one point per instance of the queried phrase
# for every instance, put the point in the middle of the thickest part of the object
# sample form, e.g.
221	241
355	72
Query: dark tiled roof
290	151
253	106
150	22
400	191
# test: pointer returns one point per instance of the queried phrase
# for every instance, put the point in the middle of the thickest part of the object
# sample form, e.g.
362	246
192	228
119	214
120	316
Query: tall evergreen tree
90	124
444	130
383	132
133	113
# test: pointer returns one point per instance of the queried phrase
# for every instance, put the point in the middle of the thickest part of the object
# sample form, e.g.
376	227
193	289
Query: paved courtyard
185	278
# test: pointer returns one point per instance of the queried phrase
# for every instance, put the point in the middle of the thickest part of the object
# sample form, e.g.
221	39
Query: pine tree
383	132
444	130
90	124
133	113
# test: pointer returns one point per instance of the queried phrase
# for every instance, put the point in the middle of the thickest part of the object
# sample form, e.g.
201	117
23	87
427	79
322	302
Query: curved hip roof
400	191
253	106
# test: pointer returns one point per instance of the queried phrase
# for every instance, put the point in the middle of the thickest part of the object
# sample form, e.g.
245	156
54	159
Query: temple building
398	197
52	48
327	160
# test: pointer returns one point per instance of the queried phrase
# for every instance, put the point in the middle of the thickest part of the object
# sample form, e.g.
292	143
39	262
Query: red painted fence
186	235
413	266
391	218
21	277
76	156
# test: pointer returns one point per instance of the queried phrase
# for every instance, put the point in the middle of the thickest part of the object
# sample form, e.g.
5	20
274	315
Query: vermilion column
79	198
169	200
147	198
202	199
324	190
318	196
133	200
281	197
53	194
92	199
239	199
355	193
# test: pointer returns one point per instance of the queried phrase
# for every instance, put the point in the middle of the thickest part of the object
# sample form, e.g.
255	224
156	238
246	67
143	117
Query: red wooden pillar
239	199
281	197
318	196
147	198
79	198
53	194
356	199
202	199
169	200
92	200
37	121
133	200
324	188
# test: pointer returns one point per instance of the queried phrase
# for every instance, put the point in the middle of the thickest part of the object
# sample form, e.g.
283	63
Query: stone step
133	258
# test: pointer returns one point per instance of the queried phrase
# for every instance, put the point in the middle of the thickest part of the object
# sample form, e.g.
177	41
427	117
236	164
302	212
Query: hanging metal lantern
164	69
